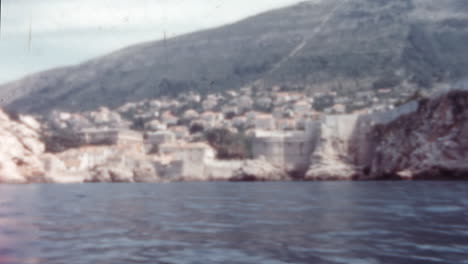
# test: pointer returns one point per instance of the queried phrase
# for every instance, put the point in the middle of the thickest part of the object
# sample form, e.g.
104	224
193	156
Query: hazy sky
40	34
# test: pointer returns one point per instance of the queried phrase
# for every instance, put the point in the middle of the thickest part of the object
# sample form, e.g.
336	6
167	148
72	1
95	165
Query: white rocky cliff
20	150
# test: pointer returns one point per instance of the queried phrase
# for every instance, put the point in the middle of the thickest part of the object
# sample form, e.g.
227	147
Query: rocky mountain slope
318	45
429	143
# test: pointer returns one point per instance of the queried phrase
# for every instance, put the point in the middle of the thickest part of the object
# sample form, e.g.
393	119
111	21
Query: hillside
318	45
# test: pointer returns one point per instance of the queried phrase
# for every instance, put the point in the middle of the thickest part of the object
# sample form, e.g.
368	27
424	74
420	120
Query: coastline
424	140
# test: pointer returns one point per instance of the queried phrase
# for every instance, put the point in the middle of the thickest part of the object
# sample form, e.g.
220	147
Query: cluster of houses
246	109
234	111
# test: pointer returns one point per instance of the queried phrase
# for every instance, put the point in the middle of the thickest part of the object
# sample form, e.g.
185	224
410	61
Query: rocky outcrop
20	148
111	173
139	171
419	140
259	170
100	164
347	144
144	171
430	143
244	170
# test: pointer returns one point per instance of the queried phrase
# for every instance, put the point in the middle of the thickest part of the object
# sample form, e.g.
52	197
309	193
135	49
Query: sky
37	35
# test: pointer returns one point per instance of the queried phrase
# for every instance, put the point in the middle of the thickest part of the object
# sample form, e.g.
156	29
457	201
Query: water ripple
358	223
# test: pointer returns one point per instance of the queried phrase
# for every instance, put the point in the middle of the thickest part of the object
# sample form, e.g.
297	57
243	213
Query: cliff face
421	140
429	143
20	150
347	144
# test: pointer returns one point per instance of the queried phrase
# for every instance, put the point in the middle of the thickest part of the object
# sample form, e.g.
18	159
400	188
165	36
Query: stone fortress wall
288	150
330	142
336	142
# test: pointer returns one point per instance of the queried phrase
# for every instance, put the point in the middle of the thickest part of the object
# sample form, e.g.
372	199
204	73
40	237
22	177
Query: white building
286	124
211	119
244	102
227	109
264	122
169	119
155	104
181	132
155	139
339	108
193	97
191	114
302	106
209	103
239	121
155	125
188	160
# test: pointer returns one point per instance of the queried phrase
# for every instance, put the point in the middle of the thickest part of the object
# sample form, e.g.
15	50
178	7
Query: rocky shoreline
427	140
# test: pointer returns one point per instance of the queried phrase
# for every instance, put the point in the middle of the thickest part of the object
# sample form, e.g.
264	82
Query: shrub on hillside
229	145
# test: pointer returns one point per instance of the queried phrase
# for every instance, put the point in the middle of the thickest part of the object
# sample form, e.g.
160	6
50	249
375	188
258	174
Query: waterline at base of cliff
424	139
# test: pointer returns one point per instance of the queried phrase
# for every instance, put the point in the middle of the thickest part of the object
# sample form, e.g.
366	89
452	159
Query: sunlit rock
144	171
259	170
19	151
429	143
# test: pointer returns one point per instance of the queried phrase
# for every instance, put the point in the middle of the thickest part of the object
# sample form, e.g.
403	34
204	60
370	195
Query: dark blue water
335	222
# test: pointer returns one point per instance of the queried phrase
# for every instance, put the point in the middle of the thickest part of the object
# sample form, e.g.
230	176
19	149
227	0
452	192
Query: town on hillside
179	133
